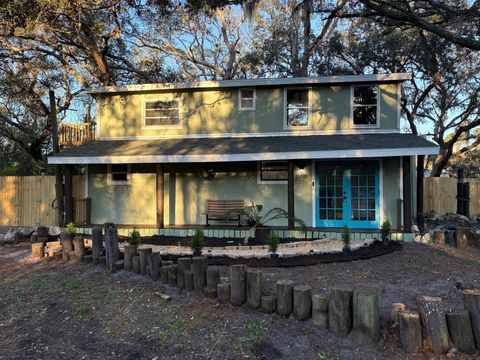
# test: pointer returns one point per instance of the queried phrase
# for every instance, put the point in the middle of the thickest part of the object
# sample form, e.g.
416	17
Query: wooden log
172	275
67	244
254	287
393	321
155	269
213	279
410	329
320	311
184	264
112	252
38	250
302	302
434	322
199	268
79	246
136	264
164	277
97	244
211	293
188	280
461	238
460	330
238	293
268	304
439	237
223	292
471	301
284	297
366	317
72	255
118	265
144	259
450	237
129	251
340	301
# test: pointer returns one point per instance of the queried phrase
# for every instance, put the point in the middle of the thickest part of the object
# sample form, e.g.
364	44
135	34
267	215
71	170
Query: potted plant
346	240
272	242
197	243
385	232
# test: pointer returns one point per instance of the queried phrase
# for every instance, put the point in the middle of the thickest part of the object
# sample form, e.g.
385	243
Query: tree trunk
199	268
284	297
340	311
434	322
460	330
254	287
410	330
96	244
471	300
366	317
302	302
320	311
238	284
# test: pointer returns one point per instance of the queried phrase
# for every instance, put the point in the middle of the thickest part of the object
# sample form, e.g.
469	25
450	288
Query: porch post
68	194
407	194
291	196
420	175
160	195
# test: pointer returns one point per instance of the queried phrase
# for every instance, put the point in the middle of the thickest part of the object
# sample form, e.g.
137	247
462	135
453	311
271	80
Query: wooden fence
440	195
30	200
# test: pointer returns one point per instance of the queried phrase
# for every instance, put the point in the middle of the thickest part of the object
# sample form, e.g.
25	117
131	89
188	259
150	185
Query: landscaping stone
54	231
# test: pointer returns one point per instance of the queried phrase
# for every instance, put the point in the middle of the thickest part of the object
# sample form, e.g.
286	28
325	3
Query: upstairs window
162	113
273	171
118	174
246	99
365	105
297	109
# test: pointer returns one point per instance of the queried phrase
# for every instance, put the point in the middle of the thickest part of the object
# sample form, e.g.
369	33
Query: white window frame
270	182
180	117
285	105
254	99
110	180
352	124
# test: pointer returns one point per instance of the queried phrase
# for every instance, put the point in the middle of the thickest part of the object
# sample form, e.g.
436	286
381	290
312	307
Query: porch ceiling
246	149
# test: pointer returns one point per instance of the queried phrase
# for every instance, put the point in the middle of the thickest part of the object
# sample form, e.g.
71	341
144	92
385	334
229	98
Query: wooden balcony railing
76	134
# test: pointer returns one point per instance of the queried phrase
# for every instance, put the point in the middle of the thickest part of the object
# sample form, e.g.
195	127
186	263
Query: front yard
55	310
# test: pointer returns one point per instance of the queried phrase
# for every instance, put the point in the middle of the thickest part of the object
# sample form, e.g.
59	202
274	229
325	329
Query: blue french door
347	193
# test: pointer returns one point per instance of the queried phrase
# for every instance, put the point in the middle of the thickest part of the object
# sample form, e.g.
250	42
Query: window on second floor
160	113
246	99
365	105
297	108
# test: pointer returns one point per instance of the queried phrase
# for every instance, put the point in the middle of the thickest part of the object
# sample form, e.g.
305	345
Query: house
327	149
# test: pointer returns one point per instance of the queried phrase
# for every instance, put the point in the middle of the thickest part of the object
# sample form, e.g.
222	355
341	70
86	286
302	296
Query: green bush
134	238
70	229
346	237
272	242
386	230
198	241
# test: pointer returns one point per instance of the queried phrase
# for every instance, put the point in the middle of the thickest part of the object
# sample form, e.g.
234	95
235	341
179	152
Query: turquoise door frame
347	192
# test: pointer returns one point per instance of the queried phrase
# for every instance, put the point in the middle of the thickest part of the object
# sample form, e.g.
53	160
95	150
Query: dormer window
161	113
246	99
296	108
365	106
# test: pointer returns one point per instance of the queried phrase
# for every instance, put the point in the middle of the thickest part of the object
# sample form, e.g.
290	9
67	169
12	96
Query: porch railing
76	134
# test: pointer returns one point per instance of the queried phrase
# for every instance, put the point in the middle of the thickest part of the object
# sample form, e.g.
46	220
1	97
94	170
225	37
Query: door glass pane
363	193
330	193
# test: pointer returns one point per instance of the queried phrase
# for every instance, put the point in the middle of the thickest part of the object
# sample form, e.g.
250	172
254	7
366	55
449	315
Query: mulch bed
366	252
209	241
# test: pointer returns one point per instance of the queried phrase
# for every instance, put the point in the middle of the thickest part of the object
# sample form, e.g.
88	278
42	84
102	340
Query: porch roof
245	149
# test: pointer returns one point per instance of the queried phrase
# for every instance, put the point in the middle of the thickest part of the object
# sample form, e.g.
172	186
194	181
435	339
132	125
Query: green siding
391	191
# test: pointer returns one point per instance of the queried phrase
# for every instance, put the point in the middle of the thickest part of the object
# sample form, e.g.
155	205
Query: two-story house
327	149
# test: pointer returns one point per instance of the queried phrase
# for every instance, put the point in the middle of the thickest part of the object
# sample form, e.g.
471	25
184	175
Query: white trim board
254	83
202	158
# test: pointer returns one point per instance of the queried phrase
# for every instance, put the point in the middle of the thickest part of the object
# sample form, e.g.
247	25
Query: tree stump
188	280
164	277
128	252
96	244
184	264
340	310
268	304
199	268
393	321
302	302
366	317
223	292
144	259
471	300
439	237
320	311
434	322
136	264
284	297
410	329
172	275
79	246
460	330
238	293
37	250
461	239
155	269
254	287
213	279
67	244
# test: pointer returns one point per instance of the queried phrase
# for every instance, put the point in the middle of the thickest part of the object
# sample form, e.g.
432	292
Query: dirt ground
55	310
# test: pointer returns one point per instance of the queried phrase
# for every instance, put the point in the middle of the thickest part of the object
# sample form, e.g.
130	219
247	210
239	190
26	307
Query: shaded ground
68	311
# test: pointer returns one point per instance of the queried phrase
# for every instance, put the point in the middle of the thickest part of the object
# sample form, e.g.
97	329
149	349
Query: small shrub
386	230
198	241
134	238
272	242
70	229
346	237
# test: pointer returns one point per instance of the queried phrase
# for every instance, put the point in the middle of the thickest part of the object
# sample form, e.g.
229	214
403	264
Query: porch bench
220	209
